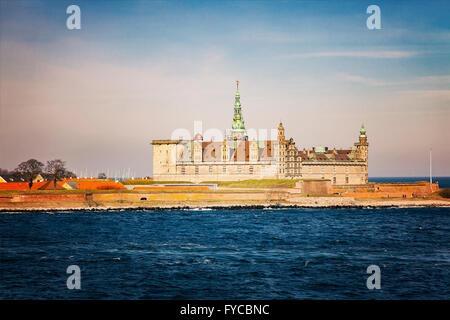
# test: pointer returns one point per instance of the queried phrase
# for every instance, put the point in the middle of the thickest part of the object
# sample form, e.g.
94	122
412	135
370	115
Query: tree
30	169
57	168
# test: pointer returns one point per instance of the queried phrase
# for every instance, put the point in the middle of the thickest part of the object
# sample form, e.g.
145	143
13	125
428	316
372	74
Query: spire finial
362	130
237	85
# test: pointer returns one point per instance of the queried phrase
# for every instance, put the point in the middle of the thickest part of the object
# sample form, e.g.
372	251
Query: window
334	180
183	170
210	169
346	180
322	169
224	169
346	169
196	169
239	169
250	169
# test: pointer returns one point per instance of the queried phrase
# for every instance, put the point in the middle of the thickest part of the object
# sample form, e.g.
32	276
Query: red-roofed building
43	185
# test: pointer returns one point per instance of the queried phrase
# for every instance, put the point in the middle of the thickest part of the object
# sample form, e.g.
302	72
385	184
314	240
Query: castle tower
281	151
362	146
238	131
362	151
280	133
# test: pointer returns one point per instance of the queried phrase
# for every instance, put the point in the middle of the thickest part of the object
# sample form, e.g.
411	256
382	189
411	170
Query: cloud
434	80
271	37
364	80
439	95
354	54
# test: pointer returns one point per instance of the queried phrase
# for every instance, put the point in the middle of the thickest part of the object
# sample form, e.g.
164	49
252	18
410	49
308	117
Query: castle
237	158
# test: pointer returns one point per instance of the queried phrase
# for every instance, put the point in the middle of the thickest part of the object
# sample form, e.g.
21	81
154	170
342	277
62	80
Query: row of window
224	169
251	171
322	169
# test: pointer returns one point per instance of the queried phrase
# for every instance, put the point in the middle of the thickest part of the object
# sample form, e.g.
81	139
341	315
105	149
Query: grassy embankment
263	183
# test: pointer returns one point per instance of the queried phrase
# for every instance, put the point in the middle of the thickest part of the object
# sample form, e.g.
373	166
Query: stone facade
237	158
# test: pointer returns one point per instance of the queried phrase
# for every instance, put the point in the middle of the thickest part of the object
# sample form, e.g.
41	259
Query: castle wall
220	171
314	186
337	172
170	164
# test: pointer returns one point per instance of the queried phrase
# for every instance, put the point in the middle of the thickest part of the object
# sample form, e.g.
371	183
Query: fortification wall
216	196
314	186
47	197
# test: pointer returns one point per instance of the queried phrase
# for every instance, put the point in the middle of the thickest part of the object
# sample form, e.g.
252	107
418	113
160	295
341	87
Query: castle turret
362	150
281	150
280	133
238	131
362	146
362	136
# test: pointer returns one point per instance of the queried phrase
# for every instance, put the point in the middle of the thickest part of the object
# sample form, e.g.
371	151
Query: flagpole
431	165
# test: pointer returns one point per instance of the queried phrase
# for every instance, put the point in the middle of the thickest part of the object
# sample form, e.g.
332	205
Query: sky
139	70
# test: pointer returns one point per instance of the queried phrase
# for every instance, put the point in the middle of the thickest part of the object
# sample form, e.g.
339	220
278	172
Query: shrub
445	193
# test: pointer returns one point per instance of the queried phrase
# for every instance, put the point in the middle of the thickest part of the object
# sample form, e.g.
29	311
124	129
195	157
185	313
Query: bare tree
29	170
57	168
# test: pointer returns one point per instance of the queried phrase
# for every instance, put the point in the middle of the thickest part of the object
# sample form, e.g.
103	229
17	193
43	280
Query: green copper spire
238	120
363	130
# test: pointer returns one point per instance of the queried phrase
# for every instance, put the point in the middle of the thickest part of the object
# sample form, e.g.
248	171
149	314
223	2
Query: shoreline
313	203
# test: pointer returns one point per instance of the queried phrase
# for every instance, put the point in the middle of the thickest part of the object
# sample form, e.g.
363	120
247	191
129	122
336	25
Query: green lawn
261	183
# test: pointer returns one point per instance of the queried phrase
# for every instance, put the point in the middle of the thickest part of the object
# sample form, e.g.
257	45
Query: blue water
227	254
444	182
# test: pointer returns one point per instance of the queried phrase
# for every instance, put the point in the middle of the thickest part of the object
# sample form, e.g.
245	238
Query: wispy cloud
365	81
440	95
271	37
434	80
355	54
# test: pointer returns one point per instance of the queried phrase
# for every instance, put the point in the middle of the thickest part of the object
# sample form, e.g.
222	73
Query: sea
227	254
